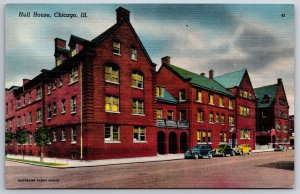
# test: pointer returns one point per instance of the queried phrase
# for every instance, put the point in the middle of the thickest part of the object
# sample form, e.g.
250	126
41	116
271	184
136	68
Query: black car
200	150
223	150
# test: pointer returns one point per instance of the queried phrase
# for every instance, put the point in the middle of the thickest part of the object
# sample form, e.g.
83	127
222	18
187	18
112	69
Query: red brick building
272	114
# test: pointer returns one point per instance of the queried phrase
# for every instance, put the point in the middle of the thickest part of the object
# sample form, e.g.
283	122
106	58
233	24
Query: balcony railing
171	124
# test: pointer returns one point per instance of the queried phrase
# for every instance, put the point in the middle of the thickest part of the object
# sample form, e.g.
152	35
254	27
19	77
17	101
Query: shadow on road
284	165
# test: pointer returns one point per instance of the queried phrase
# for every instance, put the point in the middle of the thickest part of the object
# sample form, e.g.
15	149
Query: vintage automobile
280	147
242	149
199	151
223	150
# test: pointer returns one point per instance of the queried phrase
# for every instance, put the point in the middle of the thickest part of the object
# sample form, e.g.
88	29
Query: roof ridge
265	86
244	69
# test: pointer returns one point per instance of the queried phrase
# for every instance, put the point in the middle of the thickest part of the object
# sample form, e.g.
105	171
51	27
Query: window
199	96
111	104
182	95
285	127
182	115
58	60
278	139
112	74
221	102
29	97
63	106
203	136
38	93
133	54
223	137
244	111
159	91
38	115
63	135
211	99
211	117
73	134
217	118
278	127
209	140
241	93
199	116
60	81
73	75
74	50
245	134
139	133
159	114
137	80
30	139
29	117
116	48
222	119
49	111
249	96
73	104
18	102
230	104
49	88
199	136
54	138
54	108
19	121
112	133
170	115
231	120
10	124
245	94
54	85
137	107
24	119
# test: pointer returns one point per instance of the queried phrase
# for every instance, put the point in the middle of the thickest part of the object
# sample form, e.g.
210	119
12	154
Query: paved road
260	170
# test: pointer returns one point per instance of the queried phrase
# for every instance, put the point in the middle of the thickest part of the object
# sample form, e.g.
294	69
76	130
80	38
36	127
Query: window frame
112	72
73	104
133	54
135	82
182	95
73	135
139	134
112	104
116	47
111	128
136	106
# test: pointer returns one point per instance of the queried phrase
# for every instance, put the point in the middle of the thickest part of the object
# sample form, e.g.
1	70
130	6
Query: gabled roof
270	91
167	97
232	79
198	80
79	40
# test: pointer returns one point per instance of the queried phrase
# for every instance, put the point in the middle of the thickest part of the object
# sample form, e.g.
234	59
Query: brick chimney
166	60
279	81
202	74
122	14
60	43
25	81
211	74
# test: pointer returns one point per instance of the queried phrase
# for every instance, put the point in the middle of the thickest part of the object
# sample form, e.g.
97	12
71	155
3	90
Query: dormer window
74	50
116	48
133	54
159	91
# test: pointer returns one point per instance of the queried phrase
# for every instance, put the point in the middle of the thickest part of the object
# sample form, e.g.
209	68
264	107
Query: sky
197	37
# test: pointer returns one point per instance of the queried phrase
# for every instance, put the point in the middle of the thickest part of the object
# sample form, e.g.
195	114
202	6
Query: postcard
149	96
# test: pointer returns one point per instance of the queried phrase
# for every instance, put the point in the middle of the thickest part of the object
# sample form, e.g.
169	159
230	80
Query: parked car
223	150
199	151
280	147
242	149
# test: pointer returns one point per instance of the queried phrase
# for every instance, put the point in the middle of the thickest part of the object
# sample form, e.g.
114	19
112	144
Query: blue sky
197	37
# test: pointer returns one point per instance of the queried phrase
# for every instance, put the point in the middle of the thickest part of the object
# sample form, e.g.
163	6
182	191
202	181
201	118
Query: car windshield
222	146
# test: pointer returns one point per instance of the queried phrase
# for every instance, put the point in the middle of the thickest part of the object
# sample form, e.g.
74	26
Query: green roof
232	79
167	97
198	80
270	91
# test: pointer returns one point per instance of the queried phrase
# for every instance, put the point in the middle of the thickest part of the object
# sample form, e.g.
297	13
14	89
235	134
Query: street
259	170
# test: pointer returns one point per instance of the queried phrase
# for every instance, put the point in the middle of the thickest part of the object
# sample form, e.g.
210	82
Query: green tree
41	138
21	136
9	136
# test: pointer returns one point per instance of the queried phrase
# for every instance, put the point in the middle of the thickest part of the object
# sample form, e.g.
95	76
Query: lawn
49	164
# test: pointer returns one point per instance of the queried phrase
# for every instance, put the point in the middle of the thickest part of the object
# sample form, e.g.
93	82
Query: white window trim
140	141
137	108
106	140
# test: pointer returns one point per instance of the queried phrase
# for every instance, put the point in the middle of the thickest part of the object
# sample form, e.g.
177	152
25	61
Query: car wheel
232	153
210	156
223	155
196	156
242	153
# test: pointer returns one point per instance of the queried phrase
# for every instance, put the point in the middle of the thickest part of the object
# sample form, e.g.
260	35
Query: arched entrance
183	142
161	142
172	143
233	140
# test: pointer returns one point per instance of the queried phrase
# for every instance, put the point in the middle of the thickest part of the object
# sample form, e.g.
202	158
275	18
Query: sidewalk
89	163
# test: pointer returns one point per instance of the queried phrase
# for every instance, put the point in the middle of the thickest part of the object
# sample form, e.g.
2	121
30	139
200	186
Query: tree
41	138
9	136
21	136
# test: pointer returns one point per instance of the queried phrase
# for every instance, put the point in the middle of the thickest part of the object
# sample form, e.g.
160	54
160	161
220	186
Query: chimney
165	60
202	74
122	14
60	43
211	74
25	81
279	81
